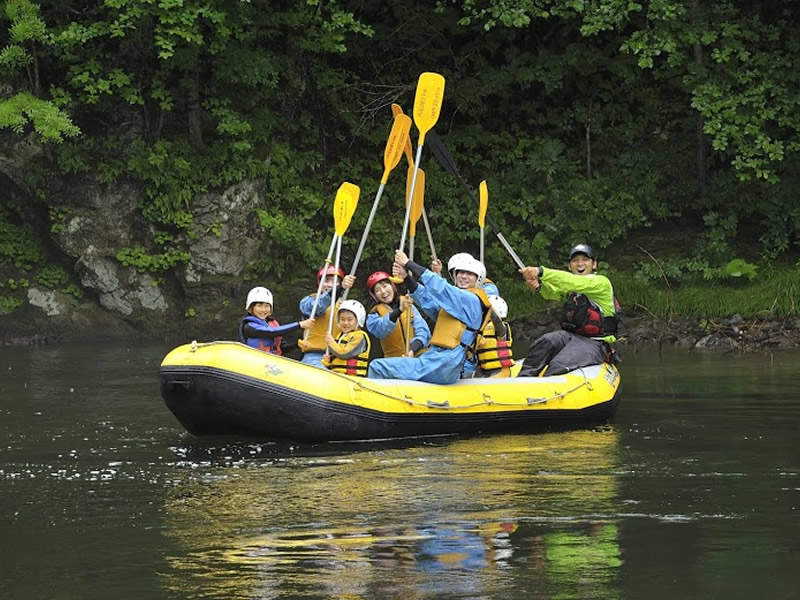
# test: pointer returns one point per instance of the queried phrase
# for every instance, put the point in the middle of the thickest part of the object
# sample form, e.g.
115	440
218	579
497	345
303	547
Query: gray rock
226	231
46	300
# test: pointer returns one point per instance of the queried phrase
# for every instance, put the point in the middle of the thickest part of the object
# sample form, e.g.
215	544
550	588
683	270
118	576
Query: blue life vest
271	345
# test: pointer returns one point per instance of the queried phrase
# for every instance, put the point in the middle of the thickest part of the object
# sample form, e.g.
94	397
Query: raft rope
487	399
445	406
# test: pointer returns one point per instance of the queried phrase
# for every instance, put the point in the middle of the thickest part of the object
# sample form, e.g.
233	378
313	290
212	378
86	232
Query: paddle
427	106
446	160
396	110
307	332
343	208
482	206
398	136
417	203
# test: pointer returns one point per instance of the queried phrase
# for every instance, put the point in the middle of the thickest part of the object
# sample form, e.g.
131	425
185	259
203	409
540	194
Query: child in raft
313	344
350	353
258	329
386	320
492	356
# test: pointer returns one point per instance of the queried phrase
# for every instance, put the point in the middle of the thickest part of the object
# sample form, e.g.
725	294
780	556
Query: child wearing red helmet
314	345
385	322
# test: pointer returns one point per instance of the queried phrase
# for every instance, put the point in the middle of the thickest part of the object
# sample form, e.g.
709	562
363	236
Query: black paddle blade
444	158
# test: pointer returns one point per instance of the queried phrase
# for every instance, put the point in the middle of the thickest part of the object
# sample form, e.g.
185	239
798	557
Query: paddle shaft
407	336
428	232
407	217
447	162
321	282
333	289
364	235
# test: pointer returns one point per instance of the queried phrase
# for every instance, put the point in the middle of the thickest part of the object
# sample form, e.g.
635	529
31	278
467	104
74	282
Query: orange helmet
375	278
329	270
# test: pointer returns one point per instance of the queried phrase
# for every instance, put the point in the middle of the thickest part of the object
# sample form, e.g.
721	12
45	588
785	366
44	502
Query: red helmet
375	278
329	270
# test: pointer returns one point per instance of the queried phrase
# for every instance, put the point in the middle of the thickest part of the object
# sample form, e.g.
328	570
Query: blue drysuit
490	288
314	357
437	365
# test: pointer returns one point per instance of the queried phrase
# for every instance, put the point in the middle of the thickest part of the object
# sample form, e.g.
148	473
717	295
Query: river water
692	492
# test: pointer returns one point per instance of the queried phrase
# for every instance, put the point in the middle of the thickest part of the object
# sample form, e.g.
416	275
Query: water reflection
455	516
687	496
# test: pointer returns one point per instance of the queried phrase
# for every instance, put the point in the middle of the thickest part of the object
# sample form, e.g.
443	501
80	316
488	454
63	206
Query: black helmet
582	249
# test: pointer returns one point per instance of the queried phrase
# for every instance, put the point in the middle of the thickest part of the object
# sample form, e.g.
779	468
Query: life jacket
394	344
449	331
273	345
584	317
494	353
316	334
356	365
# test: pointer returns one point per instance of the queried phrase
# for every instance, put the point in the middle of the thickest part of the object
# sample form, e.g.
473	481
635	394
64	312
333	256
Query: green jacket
555	285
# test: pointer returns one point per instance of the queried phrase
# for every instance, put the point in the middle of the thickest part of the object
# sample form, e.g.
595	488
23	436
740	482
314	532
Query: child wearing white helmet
459	310
258	329
493	356
350	353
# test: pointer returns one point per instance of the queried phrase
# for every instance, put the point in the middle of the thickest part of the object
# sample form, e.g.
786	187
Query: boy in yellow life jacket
493	355
350	353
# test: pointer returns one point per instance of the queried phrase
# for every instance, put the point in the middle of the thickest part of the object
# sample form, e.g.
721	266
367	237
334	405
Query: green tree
21	102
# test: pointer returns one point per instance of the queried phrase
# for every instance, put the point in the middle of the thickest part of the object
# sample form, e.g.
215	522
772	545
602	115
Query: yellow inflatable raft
227	388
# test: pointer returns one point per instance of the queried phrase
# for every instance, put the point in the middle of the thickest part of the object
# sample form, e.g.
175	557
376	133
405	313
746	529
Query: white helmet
463	261
355	307
498	305
258	294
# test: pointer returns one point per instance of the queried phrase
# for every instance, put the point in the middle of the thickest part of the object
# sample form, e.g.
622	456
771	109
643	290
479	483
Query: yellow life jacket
394	344
494	353
316	335
448	330
356	365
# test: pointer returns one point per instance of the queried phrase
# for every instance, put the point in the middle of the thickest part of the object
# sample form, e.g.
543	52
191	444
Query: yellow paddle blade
484	203
427	103
417	199
394	145
344	206
396	110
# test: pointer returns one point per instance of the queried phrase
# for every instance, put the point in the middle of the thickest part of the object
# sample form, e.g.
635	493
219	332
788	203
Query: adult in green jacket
589	319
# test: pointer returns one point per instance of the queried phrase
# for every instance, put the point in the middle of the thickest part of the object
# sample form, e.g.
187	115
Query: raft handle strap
435	404
532	401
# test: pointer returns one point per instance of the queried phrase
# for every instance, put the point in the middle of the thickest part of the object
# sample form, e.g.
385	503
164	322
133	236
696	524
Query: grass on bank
773	295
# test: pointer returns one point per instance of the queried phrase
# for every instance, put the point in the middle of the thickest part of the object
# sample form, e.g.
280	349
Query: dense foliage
588	118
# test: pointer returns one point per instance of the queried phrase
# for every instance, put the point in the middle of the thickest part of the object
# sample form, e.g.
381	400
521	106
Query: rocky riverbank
725	335
733	334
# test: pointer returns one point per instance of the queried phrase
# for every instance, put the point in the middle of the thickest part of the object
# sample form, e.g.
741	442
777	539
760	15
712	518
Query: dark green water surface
692	492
